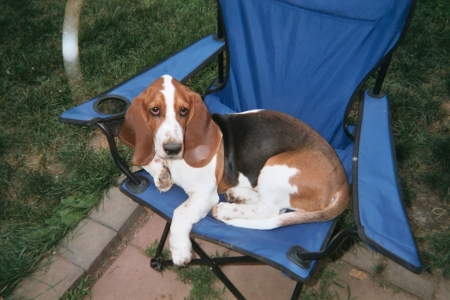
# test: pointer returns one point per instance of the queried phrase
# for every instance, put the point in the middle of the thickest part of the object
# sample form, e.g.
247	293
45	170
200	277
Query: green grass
419	85
50	177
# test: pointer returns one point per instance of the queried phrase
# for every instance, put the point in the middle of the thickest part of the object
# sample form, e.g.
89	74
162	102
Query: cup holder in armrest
111	105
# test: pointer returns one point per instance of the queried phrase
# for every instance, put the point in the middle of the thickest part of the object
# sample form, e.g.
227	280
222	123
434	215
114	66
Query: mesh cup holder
114	106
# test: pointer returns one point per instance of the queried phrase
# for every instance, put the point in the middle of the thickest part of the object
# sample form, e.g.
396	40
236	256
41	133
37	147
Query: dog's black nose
172	148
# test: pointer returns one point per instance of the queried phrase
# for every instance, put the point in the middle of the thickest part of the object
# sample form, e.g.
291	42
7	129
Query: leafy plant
76	209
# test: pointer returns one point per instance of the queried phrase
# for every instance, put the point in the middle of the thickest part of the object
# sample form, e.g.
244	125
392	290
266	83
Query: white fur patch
169	95
244	182
274	184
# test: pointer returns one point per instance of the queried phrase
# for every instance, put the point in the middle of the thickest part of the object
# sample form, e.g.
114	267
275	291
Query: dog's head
170	120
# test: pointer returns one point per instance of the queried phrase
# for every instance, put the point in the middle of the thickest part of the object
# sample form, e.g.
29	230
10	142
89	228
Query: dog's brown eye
184	111
155	111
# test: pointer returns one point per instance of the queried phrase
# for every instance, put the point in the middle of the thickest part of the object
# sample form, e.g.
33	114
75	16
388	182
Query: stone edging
83	250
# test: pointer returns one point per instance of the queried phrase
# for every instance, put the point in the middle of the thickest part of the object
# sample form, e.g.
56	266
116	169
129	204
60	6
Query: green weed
150	251
379	268
81	291
327	279
202	280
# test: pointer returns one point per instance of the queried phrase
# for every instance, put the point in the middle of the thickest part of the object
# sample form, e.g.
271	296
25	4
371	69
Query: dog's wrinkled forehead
168	90
156	94
167	94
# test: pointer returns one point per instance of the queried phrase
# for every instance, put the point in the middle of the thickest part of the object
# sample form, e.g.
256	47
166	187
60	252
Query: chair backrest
306	57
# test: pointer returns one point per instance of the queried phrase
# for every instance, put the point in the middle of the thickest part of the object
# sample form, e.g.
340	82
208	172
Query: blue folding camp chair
308	59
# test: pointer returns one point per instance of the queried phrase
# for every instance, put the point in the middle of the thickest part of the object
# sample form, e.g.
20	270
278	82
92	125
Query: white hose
70	45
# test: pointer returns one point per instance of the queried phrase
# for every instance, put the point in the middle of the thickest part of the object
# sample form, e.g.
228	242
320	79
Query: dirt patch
428	212
446	107
98	141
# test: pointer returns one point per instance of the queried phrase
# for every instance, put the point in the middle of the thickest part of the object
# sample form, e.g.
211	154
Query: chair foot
156	263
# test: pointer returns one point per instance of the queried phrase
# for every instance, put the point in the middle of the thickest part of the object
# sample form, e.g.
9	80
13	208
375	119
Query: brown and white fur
264	161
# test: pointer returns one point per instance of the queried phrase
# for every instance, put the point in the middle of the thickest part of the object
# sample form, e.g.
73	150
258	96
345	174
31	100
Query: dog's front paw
241	196
229	195
181	251
164	182
179	258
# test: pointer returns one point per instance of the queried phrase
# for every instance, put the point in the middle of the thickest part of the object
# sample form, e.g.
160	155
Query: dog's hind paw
219	212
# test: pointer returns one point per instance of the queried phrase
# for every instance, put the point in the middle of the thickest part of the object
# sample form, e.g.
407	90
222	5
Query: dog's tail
337	206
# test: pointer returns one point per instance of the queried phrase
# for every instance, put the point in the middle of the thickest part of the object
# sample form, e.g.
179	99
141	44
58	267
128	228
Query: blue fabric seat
309	59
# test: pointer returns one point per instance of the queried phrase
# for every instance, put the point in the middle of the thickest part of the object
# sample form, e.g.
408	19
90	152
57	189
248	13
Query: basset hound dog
265	162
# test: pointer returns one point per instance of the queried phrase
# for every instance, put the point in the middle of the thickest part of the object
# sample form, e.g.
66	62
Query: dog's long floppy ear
136	133
202	137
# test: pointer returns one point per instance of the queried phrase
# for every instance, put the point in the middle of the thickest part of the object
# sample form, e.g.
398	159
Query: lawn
50	175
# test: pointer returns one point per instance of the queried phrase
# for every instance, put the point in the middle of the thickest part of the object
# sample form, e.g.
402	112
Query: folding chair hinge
293	255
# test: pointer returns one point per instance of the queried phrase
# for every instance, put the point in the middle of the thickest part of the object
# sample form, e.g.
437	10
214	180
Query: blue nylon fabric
178	66
381	210
306	57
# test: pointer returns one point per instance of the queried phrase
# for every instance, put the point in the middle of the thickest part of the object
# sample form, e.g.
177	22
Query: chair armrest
181	65
378	207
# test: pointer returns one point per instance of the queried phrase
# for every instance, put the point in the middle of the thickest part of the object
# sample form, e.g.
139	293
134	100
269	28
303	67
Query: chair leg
217	271
156	262
297	291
